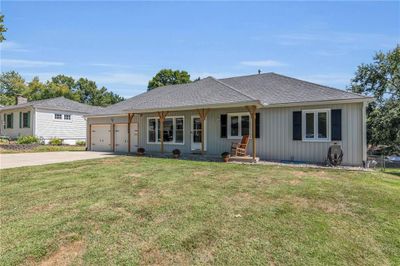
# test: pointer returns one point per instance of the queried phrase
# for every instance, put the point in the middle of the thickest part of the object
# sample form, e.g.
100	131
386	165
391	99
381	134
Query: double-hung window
316	125
239	125
67	117
9	120
173	130
58	116
25	120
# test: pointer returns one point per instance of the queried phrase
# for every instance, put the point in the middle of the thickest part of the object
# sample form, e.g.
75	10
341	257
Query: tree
381	79
82	90
168	77
11	85
2	28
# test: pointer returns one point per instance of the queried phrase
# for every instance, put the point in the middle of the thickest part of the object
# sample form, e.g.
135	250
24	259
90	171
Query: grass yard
46	148
132	210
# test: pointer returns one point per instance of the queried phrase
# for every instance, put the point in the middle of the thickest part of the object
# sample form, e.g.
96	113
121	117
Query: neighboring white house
51	118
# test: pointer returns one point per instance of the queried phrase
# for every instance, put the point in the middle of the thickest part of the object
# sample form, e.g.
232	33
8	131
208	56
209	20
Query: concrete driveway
40	158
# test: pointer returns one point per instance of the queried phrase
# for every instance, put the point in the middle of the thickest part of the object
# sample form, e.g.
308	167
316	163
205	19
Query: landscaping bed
18	148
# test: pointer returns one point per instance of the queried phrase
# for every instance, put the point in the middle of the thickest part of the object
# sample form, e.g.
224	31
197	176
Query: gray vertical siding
275	142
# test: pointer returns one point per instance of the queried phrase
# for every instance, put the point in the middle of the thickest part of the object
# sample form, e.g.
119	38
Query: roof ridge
320	85
233	88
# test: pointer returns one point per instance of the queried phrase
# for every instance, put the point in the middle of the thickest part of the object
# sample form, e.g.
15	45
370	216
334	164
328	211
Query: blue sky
121	45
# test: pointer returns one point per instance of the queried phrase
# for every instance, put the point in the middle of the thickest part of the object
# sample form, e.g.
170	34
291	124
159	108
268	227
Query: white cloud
263	63
12	47
108	65
28	63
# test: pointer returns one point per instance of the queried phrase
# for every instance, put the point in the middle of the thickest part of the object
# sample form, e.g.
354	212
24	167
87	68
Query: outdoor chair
240	148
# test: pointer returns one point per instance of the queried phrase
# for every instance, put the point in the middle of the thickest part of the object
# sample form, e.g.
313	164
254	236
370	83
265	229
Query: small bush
55	141
80	142
176	152
225	154
28	140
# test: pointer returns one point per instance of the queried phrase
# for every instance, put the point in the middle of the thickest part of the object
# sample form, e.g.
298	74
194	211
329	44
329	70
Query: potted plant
176	153
140	151
225	156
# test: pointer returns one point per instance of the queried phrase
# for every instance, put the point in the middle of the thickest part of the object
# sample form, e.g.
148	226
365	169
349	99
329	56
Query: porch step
243	159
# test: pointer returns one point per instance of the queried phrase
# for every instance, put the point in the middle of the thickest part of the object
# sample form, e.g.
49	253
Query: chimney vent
21	100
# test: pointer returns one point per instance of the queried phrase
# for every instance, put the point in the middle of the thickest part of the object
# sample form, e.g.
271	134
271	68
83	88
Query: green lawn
47	148
132	210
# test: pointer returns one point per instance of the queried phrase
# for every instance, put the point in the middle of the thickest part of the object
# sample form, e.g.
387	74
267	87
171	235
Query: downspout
364	136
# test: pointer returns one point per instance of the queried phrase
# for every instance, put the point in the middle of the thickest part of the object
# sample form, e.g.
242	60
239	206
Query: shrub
176	152
225	154
80	142
27	140
55	141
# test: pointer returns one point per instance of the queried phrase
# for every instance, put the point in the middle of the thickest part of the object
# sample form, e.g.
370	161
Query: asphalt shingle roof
59	103
206	91
266	89
271	88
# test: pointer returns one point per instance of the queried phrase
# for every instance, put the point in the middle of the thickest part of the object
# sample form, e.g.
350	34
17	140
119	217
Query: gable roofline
47	104
233	88
316	84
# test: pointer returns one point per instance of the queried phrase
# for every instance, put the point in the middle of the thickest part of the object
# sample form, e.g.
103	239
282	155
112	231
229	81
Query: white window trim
156	129
22	122
240	125
328	121
56	119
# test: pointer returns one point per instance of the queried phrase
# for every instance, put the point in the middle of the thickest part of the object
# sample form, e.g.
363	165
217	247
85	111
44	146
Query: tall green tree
381	79
82	90
3	29
11	85
168	77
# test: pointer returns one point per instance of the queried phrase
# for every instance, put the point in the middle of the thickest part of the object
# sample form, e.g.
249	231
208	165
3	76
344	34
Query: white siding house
53	118
294	120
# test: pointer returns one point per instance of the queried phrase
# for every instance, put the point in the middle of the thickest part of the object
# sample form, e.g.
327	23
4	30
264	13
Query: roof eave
365	99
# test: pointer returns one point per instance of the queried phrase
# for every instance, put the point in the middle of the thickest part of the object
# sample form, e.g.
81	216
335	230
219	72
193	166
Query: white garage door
101	138
121	137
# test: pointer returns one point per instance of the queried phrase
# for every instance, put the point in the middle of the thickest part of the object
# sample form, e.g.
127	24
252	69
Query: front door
196	133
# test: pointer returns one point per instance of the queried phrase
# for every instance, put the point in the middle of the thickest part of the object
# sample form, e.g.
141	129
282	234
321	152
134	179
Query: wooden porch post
252	110
130	117
203	115
162	116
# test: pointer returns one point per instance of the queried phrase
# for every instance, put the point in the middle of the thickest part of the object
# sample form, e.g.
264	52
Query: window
9	120
58	116
67	117
316	126
238	125
173	130
25	119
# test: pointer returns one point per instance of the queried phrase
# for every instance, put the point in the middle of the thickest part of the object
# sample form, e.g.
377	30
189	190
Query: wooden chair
240	148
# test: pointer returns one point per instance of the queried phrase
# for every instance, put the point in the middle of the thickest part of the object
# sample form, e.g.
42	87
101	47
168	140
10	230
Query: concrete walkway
40	158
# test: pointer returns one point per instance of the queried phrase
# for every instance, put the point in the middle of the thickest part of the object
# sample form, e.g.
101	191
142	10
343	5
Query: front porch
198	132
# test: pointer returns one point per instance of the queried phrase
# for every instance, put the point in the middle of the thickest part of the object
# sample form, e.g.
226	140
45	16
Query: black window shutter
297	125
257	125
336	124
224	126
